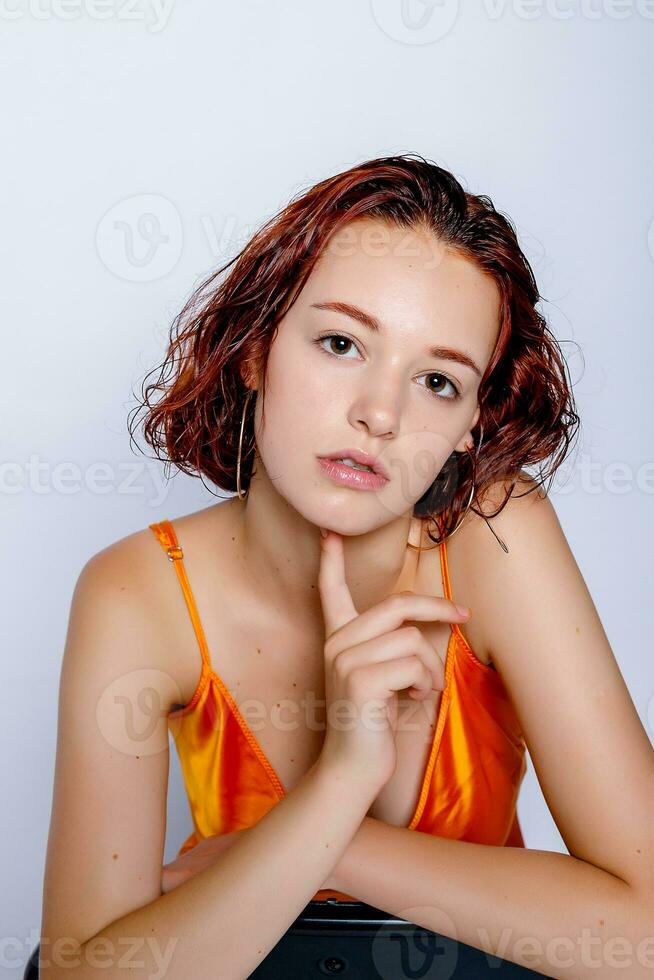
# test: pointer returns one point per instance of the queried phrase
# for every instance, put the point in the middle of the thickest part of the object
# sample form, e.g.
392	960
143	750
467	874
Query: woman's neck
278	554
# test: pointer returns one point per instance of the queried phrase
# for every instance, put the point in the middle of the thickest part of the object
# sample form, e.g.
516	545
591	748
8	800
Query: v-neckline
431	759
208	672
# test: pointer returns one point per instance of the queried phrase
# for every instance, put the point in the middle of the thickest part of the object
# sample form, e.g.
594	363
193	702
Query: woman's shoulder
522	490
132	583
137	560
474	553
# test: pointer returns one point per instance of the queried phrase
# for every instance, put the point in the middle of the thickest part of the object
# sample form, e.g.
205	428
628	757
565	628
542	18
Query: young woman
373	364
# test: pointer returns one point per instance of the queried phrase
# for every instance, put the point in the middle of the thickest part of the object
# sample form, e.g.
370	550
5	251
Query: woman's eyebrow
373	324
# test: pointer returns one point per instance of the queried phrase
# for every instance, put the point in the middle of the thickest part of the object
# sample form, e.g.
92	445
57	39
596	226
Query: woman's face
334	383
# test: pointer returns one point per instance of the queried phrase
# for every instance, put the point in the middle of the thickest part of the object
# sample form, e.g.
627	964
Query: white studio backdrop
144	144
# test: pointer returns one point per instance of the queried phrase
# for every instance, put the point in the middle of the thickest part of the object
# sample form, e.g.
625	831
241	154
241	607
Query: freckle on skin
114	856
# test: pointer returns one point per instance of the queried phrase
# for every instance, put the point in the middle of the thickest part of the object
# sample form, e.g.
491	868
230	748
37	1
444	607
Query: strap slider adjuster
174	553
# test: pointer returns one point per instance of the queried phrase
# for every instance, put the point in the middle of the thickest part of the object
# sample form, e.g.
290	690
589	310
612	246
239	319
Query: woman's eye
455	393
335	336
436	392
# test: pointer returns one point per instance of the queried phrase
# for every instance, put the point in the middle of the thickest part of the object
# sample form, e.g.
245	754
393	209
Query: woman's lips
347	476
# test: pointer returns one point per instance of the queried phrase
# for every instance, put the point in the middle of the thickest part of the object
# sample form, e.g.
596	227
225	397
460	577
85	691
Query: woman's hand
203	856
369	657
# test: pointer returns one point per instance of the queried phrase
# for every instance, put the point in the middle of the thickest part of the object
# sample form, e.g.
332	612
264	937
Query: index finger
337	605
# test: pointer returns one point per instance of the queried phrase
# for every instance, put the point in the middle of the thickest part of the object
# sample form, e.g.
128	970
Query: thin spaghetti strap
165	533
445	571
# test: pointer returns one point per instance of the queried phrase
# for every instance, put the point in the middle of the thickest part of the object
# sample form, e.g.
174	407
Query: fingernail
463	610
323	532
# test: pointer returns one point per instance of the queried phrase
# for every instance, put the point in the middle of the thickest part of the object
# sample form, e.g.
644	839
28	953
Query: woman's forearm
544	910
225	920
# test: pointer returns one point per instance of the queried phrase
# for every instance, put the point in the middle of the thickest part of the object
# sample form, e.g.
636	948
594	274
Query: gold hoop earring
240	449
472	493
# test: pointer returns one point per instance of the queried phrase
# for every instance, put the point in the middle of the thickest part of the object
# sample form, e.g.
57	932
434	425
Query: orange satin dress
470	785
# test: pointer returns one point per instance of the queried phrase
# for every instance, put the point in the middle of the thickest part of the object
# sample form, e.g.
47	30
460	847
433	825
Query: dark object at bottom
359	942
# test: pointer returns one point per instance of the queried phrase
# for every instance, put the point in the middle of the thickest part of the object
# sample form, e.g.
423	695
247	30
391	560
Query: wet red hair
228	324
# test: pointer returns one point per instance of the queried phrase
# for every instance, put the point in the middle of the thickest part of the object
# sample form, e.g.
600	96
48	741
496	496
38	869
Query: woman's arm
103	911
